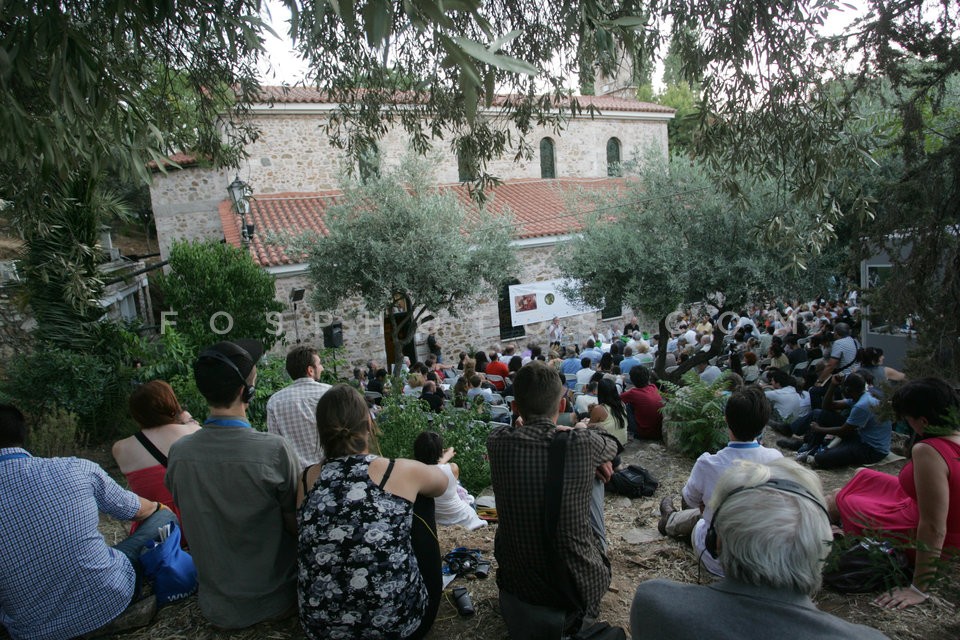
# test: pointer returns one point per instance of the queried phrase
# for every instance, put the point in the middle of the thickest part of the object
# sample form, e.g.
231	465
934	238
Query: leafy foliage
395	240
103	84
696	246
693	419
62	255
211	283
403	419
916	187
50	380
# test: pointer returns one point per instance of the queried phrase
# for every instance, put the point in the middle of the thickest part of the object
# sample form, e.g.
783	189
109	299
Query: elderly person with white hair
771	533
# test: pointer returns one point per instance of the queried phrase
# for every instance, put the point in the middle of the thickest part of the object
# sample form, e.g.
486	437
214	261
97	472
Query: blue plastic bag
169	568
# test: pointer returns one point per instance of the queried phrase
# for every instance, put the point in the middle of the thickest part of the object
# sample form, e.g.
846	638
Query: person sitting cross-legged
58	577
771	535
746	414
865	438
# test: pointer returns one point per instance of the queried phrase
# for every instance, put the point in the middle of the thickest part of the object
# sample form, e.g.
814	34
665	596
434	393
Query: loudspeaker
333	335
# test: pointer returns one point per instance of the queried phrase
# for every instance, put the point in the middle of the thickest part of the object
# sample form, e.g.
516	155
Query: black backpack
633	481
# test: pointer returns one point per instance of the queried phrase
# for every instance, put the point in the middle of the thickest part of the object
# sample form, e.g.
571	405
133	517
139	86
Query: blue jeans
133	545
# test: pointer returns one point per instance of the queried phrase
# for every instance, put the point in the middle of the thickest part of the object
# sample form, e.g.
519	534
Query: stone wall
479	328
293	154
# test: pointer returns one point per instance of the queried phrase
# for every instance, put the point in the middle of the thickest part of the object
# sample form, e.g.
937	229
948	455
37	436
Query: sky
282	64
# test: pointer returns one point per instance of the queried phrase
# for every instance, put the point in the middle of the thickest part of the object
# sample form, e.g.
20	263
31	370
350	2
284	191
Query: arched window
548	167
507	330
613	157
369	162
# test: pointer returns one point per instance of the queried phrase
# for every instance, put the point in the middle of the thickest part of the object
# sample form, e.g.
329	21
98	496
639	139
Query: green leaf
507	63
631	22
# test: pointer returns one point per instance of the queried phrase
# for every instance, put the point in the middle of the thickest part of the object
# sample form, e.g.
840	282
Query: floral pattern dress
358	577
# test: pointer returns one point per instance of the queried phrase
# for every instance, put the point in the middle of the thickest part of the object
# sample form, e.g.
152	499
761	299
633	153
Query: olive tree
674	239
397	241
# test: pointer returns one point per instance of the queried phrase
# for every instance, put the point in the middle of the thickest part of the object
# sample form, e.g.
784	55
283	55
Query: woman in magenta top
143	456
922	504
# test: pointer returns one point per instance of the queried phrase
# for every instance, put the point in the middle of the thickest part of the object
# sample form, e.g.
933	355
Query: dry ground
637	553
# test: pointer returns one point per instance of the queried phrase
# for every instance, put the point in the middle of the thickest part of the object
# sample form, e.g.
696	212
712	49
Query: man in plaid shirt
292	412
58	577
526	575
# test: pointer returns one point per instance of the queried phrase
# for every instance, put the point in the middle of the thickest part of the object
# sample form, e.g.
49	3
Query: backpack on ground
633	482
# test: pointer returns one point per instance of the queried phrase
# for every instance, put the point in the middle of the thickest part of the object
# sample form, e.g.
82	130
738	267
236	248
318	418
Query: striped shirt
292	413
58	577
845	351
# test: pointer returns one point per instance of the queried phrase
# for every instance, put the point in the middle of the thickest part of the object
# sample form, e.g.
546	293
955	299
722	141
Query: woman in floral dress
359	575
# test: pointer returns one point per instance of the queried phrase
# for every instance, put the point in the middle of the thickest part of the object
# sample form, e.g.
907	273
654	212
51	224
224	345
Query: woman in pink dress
922	505
142	457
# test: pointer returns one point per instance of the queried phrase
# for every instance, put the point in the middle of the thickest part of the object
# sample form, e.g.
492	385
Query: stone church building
293	171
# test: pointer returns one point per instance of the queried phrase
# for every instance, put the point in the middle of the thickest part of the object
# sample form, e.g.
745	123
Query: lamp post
240	193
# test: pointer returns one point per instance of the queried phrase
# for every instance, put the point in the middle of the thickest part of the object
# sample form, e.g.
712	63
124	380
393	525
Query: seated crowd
306	519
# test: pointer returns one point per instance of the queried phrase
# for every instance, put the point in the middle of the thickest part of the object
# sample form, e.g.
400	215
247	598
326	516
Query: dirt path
637	553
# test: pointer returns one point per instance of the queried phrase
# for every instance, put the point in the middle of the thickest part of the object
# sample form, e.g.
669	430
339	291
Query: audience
455	506
291	412
645	401
532	602
864	438
746	413
58	576
922	504
142	457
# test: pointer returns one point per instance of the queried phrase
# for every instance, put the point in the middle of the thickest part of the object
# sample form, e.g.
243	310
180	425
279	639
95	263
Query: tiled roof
540	207
307	95
182	159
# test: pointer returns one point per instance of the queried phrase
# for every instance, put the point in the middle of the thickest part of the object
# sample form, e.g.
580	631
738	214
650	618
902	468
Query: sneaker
792	444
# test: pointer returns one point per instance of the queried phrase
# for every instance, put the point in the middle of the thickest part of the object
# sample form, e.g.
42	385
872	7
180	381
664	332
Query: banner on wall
540	302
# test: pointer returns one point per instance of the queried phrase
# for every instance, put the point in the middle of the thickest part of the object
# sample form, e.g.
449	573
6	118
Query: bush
693	421
207	278
92	387
52	434
403	419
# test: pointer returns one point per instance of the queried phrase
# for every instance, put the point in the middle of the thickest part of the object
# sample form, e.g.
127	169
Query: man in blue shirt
628	362
58	577
590	351
864	438
570	366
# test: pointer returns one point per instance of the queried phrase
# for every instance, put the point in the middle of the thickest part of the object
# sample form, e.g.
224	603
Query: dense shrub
693	421
93	387
207	278
403	419
52	434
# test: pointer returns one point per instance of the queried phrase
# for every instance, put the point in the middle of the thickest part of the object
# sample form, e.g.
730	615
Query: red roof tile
307	95
541	208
